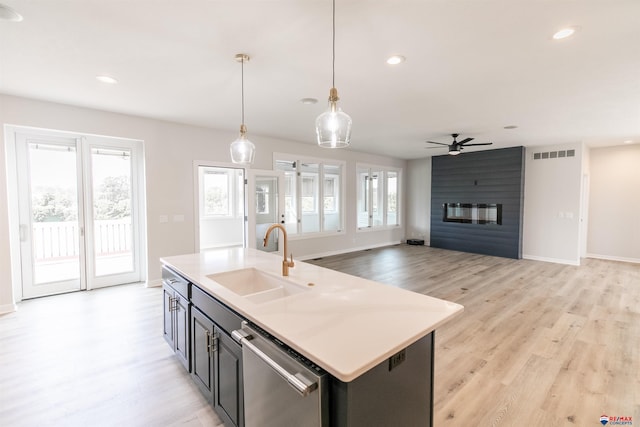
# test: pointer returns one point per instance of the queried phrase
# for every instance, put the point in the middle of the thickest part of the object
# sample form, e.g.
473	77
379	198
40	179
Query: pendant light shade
242	150
333	127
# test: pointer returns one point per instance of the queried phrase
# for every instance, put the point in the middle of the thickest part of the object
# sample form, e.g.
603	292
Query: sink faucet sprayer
286	264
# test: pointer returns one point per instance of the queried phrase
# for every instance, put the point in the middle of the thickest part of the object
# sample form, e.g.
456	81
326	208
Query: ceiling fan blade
439	143
479	143
464	141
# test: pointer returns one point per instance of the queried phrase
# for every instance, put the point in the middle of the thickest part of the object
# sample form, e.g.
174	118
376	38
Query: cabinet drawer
177	282
223	316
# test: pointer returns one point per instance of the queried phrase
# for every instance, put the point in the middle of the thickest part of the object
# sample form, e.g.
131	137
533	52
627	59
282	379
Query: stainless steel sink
256	285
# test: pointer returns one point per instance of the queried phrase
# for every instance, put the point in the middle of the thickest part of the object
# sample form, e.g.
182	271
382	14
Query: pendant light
242	150
333	127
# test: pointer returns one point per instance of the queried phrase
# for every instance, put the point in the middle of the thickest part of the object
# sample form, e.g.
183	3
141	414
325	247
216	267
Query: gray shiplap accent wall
490	176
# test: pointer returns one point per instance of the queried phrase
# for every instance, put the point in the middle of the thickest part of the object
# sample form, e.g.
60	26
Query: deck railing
57	240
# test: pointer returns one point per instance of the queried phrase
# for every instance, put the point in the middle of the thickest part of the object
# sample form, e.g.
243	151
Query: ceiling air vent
554	154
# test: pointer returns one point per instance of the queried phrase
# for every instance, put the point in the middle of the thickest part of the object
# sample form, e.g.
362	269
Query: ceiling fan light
454	151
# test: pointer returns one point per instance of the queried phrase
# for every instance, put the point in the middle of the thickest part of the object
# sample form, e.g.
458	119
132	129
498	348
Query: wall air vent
554	154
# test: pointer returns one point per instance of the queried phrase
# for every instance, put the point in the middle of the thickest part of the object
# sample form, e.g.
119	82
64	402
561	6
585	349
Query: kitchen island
374	341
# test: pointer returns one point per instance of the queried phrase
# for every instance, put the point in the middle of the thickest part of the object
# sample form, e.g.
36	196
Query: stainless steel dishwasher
281	388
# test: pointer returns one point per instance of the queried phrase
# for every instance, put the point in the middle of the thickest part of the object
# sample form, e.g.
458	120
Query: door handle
299	383
22	231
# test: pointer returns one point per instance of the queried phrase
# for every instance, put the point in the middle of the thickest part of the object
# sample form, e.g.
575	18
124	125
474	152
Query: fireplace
473	213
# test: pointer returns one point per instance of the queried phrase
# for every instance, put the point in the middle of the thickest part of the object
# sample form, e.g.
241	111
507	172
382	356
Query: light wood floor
539	344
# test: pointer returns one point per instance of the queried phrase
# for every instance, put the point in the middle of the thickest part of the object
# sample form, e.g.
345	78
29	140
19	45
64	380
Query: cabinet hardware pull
214	344
208	334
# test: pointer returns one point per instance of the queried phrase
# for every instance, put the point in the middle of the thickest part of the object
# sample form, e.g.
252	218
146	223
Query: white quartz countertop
345	324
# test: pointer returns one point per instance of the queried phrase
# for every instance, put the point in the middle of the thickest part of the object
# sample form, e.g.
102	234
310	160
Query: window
219	192
378	193
313	192
216	193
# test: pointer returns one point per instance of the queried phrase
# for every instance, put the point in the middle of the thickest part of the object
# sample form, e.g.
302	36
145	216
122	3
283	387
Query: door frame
196	196
250	219
10	138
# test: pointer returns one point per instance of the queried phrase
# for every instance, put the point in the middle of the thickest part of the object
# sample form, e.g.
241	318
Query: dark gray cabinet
216	359
228	395
176	314
202	333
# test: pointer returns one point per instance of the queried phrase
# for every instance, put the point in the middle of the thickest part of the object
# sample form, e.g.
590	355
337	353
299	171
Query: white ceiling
472	66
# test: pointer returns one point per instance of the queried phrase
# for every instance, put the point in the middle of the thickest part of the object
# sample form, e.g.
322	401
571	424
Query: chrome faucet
286	264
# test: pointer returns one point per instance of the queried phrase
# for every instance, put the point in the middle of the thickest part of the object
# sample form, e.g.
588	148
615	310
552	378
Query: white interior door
79	203
265	201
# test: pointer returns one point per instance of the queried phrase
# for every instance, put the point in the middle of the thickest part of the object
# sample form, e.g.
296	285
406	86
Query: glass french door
78	213
265	201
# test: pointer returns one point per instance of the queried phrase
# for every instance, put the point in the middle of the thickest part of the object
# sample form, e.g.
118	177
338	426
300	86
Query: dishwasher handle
298	381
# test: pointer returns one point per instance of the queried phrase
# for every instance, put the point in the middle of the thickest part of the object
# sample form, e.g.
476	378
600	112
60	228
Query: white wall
220	232
418	199
170	150
614	203
552	194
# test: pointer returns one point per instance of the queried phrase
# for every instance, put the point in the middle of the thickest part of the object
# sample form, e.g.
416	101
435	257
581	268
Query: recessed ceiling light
396	59
564	33
106	79
511	127
308	101
9	14
629	141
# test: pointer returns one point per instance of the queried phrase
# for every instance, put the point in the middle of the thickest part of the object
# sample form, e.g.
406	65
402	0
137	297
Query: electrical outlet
397	359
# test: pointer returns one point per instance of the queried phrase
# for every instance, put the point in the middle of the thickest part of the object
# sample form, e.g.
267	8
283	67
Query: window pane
216	193
377	199
262	199
112	192
392	198
363	198
290	195
310	191
331	194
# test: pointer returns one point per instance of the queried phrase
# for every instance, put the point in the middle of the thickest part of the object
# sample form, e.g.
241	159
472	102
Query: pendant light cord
333	65
242	87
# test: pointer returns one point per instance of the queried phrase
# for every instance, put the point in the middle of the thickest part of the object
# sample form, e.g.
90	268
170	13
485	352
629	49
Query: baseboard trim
153	283
8	308
553	260
347	250
614	258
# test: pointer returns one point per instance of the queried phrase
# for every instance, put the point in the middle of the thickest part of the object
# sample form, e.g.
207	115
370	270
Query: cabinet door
167	305
201	352
181	327
228	400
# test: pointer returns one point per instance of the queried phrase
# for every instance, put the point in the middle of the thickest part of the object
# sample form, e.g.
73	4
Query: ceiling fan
456	147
